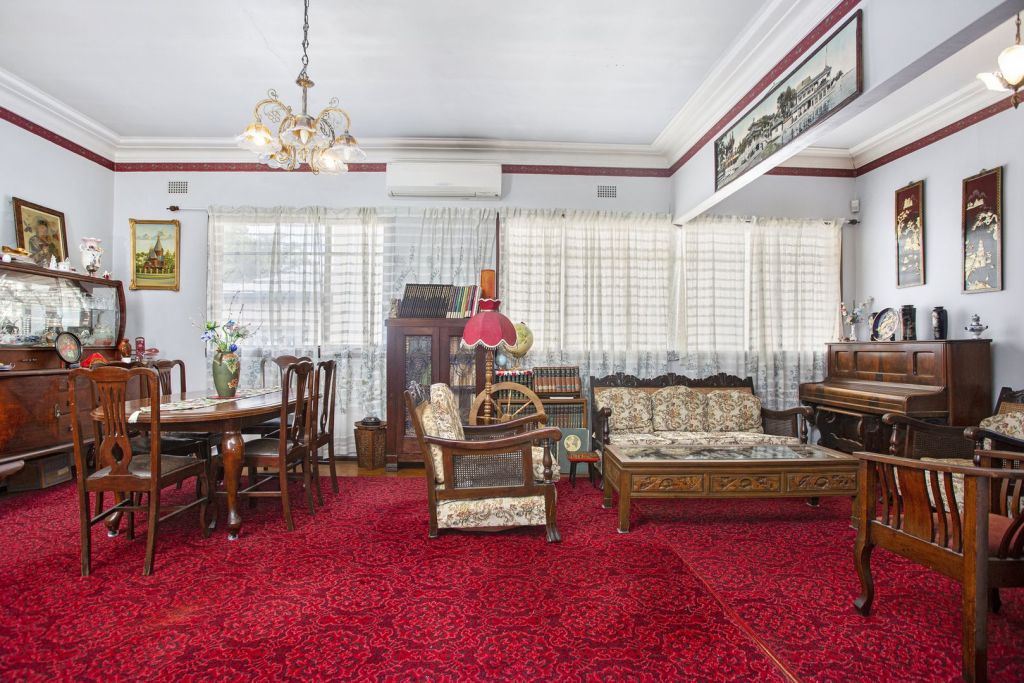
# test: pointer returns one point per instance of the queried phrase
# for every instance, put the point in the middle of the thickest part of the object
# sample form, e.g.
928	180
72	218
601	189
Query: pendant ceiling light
1010	76
323	142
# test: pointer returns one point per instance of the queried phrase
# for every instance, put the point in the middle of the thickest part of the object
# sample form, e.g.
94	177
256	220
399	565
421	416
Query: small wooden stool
589	457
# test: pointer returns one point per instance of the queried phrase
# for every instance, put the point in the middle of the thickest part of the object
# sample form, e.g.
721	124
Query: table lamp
491	330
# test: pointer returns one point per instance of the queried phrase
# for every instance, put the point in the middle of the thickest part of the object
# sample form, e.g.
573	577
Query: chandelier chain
305	42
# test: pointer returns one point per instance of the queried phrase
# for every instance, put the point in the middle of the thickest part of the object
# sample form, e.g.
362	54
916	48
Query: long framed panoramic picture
983	232
40	231
155	248
820	86
910	235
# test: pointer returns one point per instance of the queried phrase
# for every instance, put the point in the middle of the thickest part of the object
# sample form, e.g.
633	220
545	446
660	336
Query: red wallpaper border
59	140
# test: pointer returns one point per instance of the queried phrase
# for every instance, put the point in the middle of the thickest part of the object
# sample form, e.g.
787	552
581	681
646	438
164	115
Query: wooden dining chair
280	363
126	474
180	442
323	422
289	450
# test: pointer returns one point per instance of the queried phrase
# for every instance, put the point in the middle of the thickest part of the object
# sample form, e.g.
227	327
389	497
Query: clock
573	440
69	347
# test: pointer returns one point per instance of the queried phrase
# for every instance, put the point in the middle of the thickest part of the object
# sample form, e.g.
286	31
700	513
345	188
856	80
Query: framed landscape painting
910	235
983	232
40	231
820	86
155	247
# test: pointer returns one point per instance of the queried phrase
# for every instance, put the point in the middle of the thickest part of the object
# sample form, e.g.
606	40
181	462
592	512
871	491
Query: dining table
198	411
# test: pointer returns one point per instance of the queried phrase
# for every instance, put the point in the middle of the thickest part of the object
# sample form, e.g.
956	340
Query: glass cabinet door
419	367
462	374
35	308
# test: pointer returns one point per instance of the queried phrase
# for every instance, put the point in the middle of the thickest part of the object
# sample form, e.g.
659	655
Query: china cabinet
37	304
426	351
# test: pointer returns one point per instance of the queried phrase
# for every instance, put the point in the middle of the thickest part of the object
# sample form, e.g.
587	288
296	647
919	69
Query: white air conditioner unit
462	180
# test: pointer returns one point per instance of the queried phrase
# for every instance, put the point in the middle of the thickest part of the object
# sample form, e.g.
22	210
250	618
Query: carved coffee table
767	471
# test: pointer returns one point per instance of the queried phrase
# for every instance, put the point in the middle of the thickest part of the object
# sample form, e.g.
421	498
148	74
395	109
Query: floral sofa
674	409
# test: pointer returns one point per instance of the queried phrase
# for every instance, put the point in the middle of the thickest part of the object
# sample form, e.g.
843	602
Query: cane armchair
976	540
484	476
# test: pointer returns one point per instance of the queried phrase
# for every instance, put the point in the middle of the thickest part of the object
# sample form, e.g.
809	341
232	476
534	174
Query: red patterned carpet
760	590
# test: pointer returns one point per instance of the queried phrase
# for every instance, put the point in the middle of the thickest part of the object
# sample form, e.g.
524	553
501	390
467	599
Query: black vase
909	316
940	320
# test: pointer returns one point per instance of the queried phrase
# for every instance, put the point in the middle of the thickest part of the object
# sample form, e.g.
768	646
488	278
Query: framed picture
574	440
40	231
910	235
829	79
155	247
983	232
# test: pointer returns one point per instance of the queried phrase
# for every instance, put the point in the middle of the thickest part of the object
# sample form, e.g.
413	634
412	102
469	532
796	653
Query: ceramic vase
940	320
226	369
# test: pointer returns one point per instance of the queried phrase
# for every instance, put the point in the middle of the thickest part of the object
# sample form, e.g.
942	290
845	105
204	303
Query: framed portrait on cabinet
40	231
983	232
910	235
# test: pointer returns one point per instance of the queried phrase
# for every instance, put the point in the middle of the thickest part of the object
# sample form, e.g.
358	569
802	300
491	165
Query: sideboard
35	304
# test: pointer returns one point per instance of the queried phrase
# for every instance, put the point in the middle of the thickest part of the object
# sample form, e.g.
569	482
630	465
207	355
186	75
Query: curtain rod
175	208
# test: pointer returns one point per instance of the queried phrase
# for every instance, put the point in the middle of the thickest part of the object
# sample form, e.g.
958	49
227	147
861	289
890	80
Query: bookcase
426	351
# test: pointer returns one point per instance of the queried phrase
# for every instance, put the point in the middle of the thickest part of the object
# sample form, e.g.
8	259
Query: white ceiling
599	71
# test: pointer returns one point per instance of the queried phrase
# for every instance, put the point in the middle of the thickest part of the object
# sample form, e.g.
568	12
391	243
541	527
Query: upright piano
946	382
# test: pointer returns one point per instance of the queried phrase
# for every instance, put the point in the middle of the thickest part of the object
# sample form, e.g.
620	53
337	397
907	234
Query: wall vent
609	191
177	187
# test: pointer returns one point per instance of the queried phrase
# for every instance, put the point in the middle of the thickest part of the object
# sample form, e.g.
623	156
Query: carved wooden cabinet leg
232	452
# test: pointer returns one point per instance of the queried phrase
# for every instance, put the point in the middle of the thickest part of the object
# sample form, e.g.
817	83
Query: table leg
232	450
624	486
606	489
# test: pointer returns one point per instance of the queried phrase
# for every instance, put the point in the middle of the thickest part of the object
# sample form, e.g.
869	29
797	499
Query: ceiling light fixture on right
1010	76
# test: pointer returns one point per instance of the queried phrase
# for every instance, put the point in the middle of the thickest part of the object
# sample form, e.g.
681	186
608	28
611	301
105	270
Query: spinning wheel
509	401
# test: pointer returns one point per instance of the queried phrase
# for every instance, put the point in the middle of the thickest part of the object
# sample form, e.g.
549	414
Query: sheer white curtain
758	297
594	287
436	245
312	280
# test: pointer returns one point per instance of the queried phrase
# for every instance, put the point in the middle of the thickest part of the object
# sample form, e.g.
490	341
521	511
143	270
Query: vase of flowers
853	319
227	362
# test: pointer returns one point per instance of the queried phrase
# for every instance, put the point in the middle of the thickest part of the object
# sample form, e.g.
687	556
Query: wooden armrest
806	411
491	445
932	466
987	454
979	434
526	420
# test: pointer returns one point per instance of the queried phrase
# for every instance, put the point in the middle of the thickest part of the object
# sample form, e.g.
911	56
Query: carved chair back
165	370
113	447
297	383
323	399
280	362
1010	401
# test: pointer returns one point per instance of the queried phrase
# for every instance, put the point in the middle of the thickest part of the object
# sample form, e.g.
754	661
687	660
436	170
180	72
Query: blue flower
233	348
207	336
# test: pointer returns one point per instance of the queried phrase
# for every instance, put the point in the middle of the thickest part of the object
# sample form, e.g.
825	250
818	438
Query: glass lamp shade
332	161
258	139
351	151
303	132
489	328
1011	65
993	82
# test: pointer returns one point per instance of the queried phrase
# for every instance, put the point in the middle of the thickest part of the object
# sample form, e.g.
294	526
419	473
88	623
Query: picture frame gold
28	221
153	266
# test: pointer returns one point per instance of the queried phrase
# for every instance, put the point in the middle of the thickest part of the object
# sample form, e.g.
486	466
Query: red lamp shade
489	328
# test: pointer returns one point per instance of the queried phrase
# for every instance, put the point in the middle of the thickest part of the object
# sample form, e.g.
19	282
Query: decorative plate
887	322
69	347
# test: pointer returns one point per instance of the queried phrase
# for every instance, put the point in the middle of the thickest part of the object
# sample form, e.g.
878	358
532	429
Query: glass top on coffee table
705	452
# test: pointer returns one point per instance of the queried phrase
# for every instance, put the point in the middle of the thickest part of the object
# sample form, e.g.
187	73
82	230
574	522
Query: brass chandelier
324	143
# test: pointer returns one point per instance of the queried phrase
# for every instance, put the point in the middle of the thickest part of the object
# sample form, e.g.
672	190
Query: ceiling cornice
767	39
55	116
954	107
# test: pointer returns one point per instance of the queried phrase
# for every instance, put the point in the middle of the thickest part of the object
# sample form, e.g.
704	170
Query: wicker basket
370	444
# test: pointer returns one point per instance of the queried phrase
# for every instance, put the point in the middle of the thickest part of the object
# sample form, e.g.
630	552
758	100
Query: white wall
41	172
164	318
943	165
791	197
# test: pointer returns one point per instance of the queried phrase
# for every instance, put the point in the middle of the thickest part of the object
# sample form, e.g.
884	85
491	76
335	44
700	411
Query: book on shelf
558	380
524	377
438	301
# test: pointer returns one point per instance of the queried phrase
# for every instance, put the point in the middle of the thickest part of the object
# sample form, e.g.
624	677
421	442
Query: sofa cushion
733	411
728	438
678	409
639	439
1011	424
446	412
491	512
429	424
631	409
